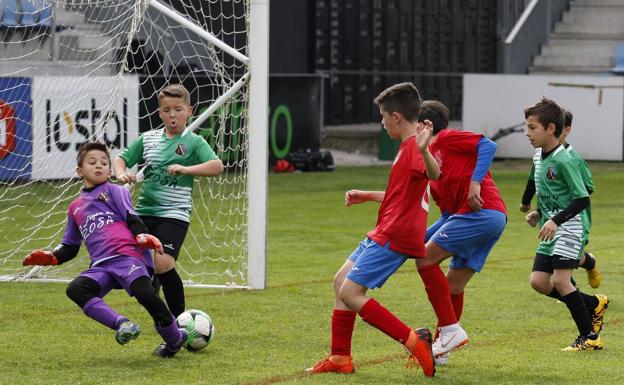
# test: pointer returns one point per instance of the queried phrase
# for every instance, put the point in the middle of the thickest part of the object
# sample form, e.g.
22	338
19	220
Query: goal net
78	70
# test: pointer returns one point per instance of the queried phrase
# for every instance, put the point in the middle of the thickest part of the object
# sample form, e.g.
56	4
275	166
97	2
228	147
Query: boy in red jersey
398	235
473	219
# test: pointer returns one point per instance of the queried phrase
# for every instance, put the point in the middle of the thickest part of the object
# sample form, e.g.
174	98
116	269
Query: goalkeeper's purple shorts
117	273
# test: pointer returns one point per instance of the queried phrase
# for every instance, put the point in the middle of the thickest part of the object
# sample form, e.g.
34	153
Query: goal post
258	148
78	70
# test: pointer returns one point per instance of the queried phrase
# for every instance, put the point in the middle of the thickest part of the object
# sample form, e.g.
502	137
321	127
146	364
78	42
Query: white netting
75	70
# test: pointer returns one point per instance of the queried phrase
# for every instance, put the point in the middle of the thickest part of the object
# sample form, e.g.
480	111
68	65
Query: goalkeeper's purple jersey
98	217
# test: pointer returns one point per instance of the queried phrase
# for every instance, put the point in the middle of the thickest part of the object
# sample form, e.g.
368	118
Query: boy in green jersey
173	157
562	200
588	260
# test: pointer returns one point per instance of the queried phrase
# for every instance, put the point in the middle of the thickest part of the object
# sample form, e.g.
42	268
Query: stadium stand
618	69
10	19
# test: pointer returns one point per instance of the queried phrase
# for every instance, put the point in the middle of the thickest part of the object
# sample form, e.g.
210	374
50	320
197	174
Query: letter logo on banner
91	124
7	129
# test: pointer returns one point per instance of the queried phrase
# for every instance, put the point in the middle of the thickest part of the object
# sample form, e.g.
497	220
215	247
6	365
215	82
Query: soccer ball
199	326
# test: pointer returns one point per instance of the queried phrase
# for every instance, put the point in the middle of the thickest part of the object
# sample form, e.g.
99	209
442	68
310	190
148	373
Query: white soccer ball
199	326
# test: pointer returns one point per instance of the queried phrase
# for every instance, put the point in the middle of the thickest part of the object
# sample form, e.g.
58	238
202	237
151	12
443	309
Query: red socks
458	304
342	324
381	318
458	307
439	294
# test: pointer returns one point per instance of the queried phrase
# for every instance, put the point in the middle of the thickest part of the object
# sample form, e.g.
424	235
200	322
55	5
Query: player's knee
562	285
347	296
540	286
164	263
81	290
338	280
142	290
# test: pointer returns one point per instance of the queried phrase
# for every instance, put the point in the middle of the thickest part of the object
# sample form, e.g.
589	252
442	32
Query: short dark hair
436	112
567	118
403	98
90	146
175	91
547	111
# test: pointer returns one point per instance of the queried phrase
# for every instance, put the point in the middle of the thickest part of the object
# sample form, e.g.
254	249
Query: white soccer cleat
451	337
442	359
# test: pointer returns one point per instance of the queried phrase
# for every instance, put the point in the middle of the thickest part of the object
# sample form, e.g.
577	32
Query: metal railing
521	35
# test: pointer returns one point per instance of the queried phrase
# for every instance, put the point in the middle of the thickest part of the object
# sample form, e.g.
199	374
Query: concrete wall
492	102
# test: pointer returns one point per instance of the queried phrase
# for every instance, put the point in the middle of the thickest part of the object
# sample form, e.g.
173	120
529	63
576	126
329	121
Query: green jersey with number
558	181
164	195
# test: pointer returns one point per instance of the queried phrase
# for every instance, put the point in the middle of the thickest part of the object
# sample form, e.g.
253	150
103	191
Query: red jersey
402	217
456	153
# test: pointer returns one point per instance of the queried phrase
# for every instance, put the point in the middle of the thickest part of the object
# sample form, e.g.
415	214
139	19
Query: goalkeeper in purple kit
117	240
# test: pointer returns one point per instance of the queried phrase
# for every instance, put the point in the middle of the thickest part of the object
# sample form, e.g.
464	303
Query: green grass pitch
270	336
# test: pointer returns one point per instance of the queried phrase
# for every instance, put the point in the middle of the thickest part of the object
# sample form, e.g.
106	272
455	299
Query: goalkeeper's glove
148	241
40	257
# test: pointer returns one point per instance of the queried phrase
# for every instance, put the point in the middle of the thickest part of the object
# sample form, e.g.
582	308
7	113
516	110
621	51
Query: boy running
103	217
562	199
588	260
173	157
473	217
398	235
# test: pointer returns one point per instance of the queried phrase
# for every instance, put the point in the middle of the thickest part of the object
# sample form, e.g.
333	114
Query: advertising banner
15	133
67	111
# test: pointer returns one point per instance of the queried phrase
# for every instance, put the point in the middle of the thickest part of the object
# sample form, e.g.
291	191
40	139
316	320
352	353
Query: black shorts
171	233
548	263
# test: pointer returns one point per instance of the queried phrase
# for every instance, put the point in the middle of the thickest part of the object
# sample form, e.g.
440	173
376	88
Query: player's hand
547	232
41	258
424	134
176	169
127	177
148	241
474	196
354	197
532	218
525	208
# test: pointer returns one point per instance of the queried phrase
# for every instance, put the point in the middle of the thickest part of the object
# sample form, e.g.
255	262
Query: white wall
493	101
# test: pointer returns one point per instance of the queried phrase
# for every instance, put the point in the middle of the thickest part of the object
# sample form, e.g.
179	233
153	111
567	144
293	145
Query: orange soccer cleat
333	364
418	346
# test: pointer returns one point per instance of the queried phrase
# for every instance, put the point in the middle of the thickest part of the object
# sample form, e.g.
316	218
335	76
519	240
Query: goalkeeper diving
103	217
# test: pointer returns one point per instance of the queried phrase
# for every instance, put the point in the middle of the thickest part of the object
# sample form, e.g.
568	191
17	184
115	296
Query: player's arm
527	196
207	163
58	256
210	168
423	139
529	192
122	173
128	158
354	197
141	234
485	154
122	201
547	231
